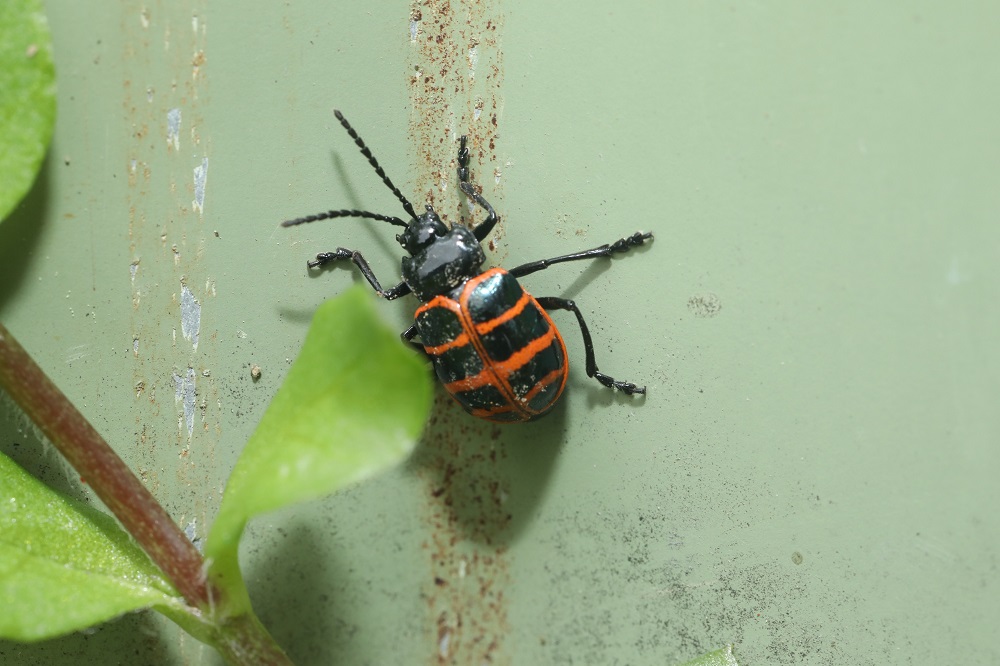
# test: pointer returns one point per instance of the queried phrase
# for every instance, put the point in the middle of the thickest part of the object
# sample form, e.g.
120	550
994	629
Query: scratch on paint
184	393
174	129
76	353
190	316
200	175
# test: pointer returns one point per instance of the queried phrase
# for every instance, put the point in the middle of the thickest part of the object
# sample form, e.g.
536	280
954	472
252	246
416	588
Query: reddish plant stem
116	485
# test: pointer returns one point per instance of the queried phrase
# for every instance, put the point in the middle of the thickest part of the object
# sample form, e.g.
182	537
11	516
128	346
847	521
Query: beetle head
422	231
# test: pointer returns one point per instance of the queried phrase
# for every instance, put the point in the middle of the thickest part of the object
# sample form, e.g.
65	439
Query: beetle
492	344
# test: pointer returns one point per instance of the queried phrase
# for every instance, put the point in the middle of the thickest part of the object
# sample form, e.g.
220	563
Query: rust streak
455	76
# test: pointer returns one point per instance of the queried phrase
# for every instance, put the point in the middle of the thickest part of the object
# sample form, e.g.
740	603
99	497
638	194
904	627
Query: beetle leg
553	303
483	229
407	337
324	258
620	245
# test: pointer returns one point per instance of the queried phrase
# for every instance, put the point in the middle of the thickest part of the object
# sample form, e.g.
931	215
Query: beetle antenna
371	160
344	213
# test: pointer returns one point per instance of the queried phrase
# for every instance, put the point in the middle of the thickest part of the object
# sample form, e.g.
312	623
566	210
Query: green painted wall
812	475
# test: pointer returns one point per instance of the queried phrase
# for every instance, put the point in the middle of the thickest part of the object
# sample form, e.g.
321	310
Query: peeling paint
184	393
200	176
190	316
473	61
174	129
191	530
443	643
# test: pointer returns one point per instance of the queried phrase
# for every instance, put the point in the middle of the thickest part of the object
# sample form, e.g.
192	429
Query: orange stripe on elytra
510	313
460	341
487	413
513	364
519	358
544	382
479	380
497	374
455	308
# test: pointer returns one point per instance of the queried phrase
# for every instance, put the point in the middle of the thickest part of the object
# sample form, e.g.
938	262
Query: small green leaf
353	404
64	566
27	97
723	657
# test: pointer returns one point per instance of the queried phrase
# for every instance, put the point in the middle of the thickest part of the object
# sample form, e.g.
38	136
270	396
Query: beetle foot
323	258
627	243
628	388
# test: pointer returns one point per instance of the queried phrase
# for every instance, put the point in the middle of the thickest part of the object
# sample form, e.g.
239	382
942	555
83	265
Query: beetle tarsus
483	229
341	253
463	160
628	388
324	258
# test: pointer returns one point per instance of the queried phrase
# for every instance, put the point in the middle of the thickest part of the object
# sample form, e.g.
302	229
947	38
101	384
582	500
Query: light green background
813	473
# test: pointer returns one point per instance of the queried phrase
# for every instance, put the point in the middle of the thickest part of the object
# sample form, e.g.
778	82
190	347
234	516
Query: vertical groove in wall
455	76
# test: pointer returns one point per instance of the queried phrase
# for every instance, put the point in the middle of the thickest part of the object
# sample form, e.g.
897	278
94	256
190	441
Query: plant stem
240	639
244	640
112	480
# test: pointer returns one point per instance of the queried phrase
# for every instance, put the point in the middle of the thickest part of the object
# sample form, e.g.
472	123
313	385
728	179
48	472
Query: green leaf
353	404
27	97
64	566
723	657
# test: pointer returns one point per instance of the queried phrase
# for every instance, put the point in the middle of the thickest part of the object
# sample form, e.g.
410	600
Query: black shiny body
493	345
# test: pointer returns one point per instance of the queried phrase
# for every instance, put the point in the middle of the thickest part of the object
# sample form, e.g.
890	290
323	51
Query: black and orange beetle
492	344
